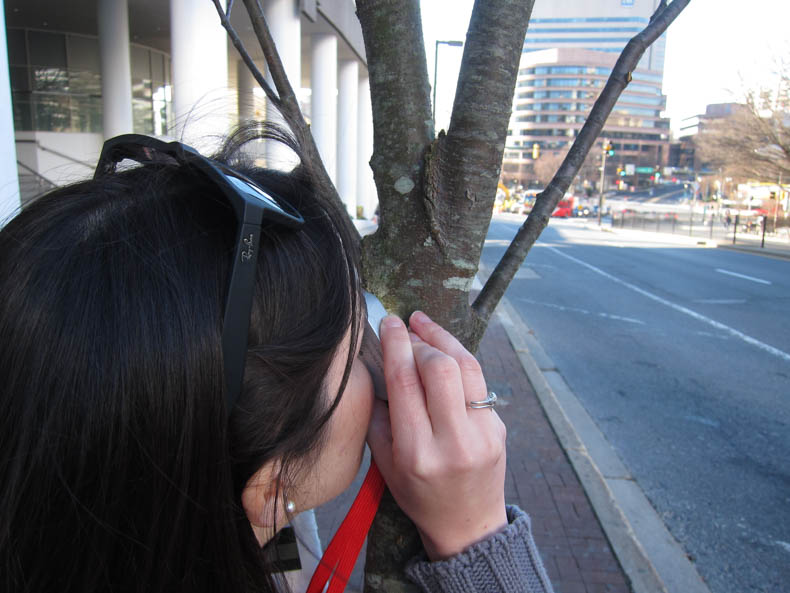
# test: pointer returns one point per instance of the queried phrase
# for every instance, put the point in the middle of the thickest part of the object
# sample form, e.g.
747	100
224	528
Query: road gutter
649	555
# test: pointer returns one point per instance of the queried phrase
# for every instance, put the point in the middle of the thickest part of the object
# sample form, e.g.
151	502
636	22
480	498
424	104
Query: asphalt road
682	357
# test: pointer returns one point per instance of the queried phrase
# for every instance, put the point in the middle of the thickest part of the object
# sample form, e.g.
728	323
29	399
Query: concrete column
366	189
283	17
323	103
246	84
9	179
116	69
199	52
347	101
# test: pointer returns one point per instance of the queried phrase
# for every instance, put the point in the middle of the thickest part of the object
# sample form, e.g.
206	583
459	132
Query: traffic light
620	171
609	149
535	151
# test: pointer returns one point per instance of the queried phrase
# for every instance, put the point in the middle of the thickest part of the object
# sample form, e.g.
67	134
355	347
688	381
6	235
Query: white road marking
620	318
703	420
582	311
712	335
525	273
720	301
726	328
744	276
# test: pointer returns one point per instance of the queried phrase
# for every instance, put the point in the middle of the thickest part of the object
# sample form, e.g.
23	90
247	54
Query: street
682	357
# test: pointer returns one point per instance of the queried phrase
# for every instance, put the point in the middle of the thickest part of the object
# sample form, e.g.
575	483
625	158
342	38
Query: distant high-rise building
600	25
569	52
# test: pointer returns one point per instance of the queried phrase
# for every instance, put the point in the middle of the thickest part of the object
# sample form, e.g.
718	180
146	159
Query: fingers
407	409
474	385
444	389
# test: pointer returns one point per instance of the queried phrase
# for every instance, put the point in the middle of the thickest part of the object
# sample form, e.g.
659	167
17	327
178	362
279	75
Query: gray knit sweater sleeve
507	562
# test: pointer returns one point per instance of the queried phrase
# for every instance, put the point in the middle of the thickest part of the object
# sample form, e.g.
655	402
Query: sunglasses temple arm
236	325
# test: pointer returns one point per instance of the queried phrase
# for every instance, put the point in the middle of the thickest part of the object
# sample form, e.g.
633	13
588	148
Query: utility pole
606	148
776	203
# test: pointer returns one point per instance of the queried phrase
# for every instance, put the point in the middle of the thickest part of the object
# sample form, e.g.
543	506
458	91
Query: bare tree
436	192
751	143
546	165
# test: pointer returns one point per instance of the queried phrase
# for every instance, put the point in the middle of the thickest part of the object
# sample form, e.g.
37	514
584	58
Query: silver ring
488	402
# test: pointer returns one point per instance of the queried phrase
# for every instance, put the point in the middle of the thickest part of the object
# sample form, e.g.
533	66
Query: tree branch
400	100
285	101
237	43
548	199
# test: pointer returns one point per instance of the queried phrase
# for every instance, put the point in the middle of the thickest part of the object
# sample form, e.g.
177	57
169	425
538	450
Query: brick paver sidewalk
541	480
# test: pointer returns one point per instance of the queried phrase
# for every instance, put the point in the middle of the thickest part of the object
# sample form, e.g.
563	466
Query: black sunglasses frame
252	205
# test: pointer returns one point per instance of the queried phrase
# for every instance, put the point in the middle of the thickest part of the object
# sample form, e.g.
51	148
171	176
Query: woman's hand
443	462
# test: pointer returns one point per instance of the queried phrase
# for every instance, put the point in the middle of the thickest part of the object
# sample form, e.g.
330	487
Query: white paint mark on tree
457	284
404	185
464	264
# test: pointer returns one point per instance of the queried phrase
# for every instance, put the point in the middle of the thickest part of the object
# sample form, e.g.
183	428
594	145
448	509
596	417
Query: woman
181	374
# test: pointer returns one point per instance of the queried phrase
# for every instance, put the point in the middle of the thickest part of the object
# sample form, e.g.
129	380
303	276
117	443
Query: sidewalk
541	480
744	243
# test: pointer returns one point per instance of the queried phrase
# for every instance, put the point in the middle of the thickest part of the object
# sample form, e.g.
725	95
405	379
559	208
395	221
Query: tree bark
435	195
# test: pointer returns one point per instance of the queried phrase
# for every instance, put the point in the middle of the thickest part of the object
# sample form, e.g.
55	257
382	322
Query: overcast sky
715	50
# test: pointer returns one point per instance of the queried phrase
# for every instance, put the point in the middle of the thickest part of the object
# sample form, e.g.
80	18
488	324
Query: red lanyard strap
340	556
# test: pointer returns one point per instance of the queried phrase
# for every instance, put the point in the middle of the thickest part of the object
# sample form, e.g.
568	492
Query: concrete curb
649	555
768	252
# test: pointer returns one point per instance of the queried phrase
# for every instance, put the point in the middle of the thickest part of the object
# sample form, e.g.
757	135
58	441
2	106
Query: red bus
565	208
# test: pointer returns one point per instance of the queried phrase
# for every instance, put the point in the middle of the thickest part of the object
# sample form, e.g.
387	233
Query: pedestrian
727	219
182	374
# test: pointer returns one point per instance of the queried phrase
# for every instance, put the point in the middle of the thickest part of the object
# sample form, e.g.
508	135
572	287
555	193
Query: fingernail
391	321
419	317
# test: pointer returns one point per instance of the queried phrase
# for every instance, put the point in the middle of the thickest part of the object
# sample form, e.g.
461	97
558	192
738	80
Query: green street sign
648	170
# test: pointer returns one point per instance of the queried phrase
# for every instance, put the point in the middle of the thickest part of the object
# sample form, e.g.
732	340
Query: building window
560	40
606	19
56	83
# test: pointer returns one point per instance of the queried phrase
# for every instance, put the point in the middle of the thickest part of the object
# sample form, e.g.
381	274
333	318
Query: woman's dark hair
120	469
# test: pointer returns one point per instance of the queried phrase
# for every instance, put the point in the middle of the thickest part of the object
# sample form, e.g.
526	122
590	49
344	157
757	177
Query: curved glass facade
553	100
56	83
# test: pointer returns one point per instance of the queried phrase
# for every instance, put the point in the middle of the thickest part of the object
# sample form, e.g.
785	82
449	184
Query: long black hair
120	468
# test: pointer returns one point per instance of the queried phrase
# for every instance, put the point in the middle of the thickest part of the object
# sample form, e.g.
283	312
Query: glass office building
569	51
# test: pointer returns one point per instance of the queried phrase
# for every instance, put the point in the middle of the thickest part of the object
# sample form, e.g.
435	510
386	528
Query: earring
290	506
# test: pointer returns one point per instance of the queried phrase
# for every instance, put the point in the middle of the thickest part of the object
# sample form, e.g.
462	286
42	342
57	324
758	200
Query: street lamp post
436	69
603	180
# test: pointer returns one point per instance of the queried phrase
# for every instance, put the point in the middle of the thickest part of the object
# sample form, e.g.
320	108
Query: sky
716	49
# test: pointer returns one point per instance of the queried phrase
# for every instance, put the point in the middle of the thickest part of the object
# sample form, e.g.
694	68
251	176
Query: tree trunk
435	195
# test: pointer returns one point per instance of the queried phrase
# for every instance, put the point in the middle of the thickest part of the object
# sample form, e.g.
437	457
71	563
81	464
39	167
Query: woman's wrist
455	539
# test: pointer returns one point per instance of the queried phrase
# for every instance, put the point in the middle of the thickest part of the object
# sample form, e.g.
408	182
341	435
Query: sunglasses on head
252	205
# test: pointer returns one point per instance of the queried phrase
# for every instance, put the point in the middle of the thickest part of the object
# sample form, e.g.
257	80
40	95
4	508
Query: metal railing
32	183
715	226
